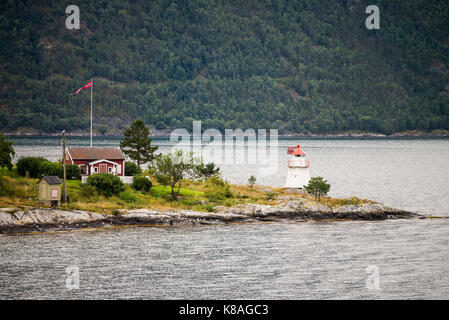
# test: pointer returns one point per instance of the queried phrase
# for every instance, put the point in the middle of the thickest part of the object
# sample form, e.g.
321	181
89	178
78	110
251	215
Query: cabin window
110	169
95	169
83	169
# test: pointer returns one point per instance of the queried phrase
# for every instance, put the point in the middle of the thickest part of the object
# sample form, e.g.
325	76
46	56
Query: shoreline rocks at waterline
15	220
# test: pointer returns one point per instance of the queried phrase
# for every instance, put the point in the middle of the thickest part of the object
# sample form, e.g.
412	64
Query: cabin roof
52	180
96	153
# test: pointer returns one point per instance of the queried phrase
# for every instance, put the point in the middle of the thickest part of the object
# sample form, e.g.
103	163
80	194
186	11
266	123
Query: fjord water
292	260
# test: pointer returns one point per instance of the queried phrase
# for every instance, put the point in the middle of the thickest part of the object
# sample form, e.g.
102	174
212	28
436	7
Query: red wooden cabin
92	160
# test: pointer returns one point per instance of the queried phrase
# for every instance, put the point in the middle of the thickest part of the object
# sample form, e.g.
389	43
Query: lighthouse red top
295	151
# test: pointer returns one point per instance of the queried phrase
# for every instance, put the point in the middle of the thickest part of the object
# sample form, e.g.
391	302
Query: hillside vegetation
300	66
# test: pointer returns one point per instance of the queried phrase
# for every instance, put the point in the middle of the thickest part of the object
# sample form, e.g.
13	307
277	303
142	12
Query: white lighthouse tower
298	173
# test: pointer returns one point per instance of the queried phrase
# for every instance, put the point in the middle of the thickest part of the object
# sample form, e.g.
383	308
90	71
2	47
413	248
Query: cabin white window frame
86	171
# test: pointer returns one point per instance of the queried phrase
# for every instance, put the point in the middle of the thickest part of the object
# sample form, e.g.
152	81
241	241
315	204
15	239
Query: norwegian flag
85	87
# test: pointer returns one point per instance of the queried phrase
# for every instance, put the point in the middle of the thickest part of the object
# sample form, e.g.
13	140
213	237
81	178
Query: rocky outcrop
306	209
43	219
38	219
296	209
180	217
371	212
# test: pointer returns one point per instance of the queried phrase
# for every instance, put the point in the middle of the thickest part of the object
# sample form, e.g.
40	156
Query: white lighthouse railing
300	163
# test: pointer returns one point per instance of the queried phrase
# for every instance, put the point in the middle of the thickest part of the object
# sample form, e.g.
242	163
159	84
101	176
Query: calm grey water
265	261
307	260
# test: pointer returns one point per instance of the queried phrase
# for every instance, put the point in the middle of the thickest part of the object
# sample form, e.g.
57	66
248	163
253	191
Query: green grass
159	191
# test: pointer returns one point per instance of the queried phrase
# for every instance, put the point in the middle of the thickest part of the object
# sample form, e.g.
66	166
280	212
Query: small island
208	202
101	189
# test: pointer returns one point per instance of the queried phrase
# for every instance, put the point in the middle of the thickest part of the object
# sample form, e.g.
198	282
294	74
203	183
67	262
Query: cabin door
103	168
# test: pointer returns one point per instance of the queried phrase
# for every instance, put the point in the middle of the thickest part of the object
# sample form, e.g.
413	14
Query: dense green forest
302	66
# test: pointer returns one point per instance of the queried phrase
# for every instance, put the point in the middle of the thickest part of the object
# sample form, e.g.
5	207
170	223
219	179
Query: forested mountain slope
299	66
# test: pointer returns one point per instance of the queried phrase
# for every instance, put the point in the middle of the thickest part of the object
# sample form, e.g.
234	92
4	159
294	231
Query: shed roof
96	153
52	180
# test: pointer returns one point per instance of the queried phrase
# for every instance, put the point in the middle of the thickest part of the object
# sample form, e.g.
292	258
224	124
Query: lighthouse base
297	178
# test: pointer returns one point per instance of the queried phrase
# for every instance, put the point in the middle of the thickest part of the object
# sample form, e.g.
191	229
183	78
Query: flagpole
64	175
91	89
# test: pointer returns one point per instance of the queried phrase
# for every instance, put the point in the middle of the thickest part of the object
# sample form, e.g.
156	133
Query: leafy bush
131	168
48	168
116	212
73	171
88	191
207	170
4	171
141	183
106	184
30	164
127	196
217	189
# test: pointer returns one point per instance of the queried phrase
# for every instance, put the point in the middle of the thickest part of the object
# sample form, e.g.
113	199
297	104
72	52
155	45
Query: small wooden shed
50	189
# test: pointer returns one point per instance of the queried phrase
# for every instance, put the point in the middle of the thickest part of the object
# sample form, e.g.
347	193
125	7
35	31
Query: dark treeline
299	66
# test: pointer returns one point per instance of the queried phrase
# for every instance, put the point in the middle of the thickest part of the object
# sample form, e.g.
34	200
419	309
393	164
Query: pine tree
318	187
137	144
251	181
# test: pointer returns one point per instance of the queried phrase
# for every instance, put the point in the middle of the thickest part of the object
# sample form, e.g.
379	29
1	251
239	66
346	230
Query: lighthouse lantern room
298	173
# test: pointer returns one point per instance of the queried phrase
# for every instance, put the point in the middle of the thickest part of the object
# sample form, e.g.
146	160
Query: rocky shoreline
15	220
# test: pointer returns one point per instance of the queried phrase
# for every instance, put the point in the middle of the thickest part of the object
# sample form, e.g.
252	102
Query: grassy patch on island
20	192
